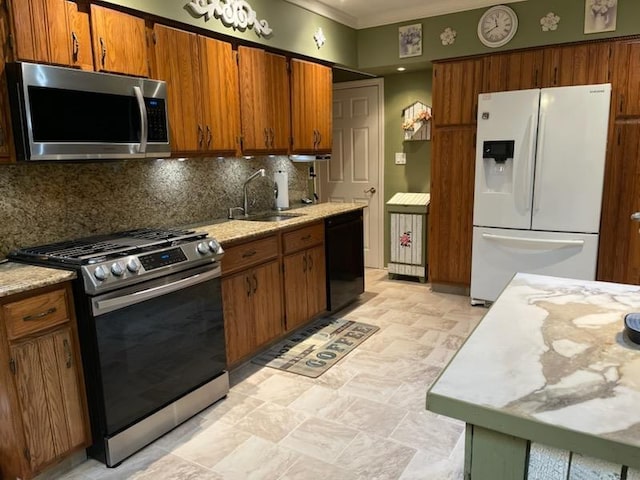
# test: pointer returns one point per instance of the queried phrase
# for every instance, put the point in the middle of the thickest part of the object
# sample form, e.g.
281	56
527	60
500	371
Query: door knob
635	217
372	190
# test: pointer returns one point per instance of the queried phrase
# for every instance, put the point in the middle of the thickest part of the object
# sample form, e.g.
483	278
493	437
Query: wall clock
497	26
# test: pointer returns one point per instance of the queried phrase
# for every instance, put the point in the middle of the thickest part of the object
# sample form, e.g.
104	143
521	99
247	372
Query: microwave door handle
144	125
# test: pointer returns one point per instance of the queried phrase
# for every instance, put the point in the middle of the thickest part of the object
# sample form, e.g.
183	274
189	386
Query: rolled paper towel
282	199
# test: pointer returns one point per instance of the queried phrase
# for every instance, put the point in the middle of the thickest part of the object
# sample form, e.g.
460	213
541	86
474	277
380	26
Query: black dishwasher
344	243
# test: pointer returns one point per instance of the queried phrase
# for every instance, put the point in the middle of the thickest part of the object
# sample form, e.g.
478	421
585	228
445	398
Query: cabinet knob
635	217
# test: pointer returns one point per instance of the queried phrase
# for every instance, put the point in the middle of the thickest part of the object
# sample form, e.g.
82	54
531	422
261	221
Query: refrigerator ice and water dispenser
498	165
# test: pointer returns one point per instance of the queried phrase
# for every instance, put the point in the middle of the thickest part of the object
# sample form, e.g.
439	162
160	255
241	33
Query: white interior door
354	173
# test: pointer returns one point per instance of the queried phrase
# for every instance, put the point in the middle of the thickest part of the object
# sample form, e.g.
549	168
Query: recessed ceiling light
401	69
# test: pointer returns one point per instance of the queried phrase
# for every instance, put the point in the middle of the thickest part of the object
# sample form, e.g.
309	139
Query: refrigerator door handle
546	242
528	191
539	162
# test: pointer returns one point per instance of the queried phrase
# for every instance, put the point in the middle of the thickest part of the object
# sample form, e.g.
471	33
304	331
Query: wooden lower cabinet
305	286
44	415
253	314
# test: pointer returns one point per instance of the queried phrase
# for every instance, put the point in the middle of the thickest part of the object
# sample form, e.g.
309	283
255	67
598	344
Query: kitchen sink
271	217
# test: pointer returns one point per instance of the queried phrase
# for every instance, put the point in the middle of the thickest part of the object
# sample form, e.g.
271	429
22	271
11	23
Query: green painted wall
400	91
293	27
378	47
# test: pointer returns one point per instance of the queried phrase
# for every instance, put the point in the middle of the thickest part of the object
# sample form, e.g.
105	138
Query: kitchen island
547	383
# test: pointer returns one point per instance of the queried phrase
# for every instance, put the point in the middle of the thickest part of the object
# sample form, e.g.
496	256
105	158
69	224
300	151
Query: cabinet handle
266	137
104	51
76	45
535	78
555	76
249	253
209	136
306	238
272	136
200	135
2	137
67	352
255	283
310	259
319	138
248	286
304	263
38	316
621	103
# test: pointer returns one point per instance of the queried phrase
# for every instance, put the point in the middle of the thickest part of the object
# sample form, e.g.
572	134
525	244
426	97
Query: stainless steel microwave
67	114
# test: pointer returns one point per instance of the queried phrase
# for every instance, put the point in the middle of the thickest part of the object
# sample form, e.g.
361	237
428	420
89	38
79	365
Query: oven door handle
101	307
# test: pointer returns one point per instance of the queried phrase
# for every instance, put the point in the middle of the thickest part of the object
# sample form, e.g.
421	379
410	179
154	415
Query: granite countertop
17	278
234	230
552	354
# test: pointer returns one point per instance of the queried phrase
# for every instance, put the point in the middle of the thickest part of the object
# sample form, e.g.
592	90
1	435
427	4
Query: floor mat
316	348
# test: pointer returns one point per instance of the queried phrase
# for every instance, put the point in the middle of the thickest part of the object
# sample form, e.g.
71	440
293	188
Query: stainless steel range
149	310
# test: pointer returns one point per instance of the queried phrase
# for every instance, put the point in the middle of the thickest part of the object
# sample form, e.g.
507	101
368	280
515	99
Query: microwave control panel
157	118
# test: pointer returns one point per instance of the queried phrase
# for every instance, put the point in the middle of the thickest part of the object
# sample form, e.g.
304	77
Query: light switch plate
401	158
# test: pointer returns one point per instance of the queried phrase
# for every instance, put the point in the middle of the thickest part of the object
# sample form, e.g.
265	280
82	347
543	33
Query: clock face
497	26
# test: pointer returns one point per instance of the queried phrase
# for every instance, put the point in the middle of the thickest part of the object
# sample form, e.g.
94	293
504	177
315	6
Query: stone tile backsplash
43	203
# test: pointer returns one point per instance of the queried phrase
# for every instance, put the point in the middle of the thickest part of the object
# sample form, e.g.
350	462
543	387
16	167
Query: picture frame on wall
410	40
600	15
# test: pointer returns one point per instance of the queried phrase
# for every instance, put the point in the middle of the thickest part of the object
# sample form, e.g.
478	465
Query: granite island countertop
17	277
550	362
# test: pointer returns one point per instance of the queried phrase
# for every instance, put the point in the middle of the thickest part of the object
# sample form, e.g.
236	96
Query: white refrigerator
540	158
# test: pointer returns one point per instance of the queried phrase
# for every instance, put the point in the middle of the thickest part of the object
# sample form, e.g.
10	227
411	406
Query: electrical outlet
401	158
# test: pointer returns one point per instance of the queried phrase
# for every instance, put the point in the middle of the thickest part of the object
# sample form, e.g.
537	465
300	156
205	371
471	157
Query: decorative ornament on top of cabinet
448	36
549	22
232	13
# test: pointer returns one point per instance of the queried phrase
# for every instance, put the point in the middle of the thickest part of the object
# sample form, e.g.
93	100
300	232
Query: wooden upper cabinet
512	71
455	92
52	31
202	88
311	107
119	42
576	65
451	208
264	101
625	79
220	100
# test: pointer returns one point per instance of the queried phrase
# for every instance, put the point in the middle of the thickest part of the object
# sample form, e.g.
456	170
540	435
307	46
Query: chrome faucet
245	203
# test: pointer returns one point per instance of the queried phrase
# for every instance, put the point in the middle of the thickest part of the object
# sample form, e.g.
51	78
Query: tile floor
363	419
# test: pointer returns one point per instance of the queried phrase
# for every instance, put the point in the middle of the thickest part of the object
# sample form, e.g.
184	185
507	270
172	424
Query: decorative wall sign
600	15
549	22
232	13
417	121
448	36
410	38
319	37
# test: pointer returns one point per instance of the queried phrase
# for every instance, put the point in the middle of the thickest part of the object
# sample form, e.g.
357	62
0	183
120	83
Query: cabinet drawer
35	313
248	254
303	238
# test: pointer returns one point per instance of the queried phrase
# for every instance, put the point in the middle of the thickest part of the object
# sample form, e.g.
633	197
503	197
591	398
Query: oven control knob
203	248
101	273
214	246
117	269
133	265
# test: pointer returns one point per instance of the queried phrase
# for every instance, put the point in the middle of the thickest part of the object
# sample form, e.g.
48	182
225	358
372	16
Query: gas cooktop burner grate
72	249
153	234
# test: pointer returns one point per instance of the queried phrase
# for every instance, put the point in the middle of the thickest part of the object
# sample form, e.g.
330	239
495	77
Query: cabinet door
525	70
119	43
267	302
626	78
221	102
451	209
279	106
177	63
6	136
576	65
316	281
47	380
323	92
79	35
295	289
303	113
455	92
619	252
239	327
254	101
